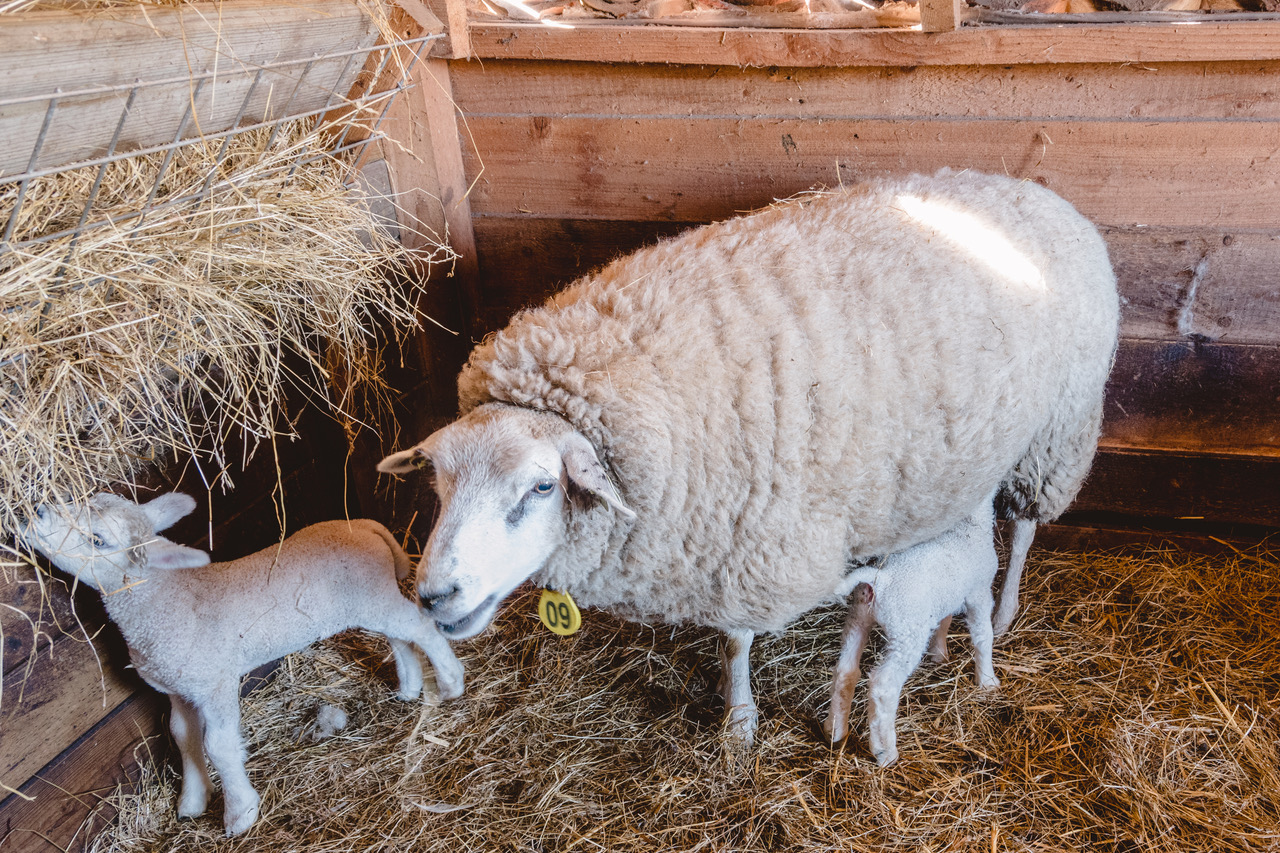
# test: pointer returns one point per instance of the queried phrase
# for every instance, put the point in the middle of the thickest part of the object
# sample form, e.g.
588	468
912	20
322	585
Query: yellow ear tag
558	612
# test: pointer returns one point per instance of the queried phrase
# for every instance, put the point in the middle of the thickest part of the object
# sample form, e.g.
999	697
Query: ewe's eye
98	541
546	487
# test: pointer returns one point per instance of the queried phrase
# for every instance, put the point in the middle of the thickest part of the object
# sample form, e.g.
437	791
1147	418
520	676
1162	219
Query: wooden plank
67	807
1195	398
1236	297
1191	486
1226	90
1202	41
454	15
1174	174
65	694
46	51
36	610
1204	284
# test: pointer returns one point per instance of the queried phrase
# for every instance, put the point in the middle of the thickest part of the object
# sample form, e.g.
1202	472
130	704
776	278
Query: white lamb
194	628
913	595
707	431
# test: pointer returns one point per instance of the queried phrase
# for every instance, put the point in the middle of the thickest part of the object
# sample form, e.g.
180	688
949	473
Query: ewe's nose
433	600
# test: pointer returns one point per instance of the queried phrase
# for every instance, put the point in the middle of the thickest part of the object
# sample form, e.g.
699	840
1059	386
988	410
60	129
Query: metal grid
367	111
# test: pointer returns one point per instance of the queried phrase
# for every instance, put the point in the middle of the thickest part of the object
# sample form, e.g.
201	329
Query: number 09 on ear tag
559	613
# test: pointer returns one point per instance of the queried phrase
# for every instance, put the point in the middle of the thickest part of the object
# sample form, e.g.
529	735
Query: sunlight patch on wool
977	238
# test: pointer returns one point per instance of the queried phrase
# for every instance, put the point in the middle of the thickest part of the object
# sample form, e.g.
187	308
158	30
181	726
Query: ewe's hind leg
184	724
741	716
220	716
978	615
857	626
1024	530
407	625
903	652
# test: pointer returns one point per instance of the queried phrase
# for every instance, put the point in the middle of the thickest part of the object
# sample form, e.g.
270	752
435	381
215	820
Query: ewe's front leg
184	724
857	626
220	715
1023	532
741	715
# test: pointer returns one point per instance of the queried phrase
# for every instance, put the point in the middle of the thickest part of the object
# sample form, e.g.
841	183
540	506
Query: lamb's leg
905	646
978	615
406	627
184	724
857	625
1024	531
938	645
408	669
741	716
220	715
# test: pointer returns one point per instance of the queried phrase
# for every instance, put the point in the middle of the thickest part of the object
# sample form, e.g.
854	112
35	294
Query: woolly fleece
829	379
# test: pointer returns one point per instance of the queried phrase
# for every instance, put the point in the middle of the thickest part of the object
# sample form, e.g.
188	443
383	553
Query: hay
1140	711
168	337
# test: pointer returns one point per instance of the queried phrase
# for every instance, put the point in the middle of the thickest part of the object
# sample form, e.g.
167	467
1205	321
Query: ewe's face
503	476
502	496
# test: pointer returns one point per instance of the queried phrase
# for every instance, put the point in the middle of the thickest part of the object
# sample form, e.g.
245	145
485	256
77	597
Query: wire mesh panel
151	117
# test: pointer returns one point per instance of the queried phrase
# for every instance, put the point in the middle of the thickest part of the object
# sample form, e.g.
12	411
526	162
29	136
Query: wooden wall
576	161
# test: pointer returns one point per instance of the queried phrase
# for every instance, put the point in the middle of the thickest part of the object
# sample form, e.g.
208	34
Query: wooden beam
1206	40
941	16
424	155
46	51
454	15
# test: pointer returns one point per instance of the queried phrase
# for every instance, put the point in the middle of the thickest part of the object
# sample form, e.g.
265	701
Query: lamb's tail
404	565
861	574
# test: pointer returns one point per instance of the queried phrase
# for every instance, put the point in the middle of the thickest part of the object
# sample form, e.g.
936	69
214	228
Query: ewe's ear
164	554
413	459
166	509
585	471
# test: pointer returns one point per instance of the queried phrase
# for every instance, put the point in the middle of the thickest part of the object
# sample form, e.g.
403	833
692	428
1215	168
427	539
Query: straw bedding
1140	711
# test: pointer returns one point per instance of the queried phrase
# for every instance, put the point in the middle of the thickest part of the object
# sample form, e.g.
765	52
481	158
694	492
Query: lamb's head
508	479
110	539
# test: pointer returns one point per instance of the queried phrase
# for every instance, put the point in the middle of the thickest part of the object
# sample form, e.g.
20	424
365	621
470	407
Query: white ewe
194	628
912	595
708	431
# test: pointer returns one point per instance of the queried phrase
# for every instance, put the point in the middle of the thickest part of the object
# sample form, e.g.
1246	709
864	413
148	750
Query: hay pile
166	337
1140	712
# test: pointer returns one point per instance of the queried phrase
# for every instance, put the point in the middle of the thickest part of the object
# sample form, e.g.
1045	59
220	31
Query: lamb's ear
166	509
164	554
413	459
587	473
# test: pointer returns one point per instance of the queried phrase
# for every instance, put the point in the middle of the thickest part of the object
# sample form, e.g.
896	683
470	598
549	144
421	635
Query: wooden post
941	16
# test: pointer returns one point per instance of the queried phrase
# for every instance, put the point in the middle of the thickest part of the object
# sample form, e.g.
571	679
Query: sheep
194	628
709	430
912	595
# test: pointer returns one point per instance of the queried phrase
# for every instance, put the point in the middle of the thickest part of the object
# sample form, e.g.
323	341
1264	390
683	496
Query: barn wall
575	161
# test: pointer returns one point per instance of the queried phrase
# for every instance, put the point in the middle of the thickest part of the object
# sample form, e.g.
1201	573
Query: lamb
709	430
194	628
912	595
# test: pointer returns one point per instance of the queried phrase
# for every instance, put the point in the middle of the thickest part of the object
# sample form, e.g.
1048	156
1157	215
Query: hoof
241	819
740	726
886	757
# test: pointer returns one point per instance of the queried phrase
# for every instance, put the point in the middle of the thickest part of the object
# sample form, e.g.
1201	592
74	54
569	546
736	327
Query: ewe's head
507	479
110	538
